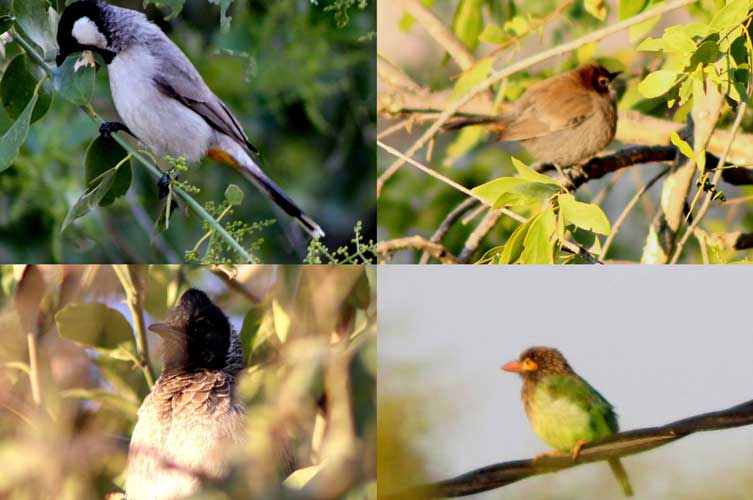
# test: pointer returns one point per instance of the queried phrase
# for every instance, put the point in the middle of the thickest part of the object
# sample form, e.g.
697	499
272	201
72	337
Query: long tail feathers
621	474
282	200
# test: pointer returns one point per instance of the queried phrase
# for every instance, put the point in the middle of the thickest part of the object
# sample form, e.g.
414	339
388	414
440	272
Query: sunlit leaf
657	83
538	247
93	325
583	215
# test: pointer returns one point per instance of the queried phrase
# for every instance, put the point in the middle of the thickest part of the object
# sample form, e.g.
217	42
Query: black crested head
206	331
94	32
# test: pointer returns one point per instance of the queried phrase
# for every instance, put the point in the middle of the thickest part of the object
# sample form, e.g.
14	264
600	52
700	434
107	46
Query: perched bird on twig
191	419
564	410
562	120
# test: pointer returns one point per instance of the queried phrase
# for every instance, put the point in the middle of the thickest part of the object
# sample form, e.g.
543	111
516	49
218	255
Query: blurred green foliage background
300	77
309	337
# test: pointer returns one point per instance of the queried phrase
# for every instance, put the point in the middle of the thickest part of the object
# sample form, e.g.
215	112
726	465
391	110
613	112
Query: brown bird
191	419
562	120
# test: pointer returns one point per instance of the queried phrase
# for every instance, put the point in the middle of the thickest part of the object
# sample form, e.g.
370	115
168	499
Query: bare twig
623	216
447	223
441	33
717	175
478	234
436	250
619	445
130	279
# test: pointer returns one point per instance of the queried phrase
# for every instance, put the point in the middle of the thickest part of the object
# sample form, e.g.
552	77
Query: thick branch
619	445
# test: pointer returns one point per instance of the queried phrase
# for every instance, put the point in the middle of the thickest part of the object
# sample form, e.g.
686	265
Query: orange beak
527	365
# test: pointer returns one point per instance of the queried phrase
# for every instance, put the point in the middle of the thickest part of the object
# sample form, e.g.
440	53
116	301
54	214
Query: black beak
614	75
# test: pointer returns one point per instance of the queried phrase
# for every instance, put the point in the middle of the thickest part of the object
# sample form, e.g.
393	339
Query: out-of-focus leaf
251	325
11	142
75	86
464	141
28	297
106	398
5	23
93	325
34	18
597	8
17	89
492	34
234	195
472	77
630	8
104	154
224	18
657	83
281	321
584	215
175	6
298	479
468	22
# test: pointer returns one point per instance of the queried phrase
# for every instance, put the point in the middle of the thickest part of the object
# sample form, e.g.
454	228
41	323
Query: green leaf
464	141
526	192
249	330
11	142
103	155
17	88
683	146
93	325
34	18
175	6
530	174
514	246
730	15
234	195
468	22
471	77
492	190
630	8
76	87
596	8
89	199
492	34
517	25
584	215
657	83
406	22
538	247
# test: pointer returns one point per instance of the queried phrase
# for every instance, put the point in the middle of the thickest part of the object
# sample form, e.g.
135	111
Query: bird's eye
603	81
529	365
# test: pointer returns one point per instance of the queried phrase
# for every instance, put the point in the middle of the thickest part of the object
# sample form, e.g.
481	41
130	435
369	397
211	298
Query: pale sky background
660	344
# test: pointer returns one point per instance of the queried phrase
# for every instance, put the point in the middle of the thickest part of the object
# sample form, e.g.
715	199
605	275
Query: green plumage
564	410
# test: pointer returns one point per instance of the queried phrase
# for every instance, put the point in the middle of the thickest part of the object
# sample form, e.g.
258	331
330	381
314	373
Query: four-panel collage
226	225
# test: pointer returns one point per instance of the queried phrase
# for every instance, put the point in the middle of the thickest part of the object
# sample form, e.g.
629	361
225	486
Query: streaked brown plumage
191	419
564	120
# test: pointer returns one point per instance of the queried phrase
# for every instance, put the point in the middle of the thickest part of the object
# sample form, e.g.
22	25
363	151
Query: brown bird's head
196	334
538	362
595	76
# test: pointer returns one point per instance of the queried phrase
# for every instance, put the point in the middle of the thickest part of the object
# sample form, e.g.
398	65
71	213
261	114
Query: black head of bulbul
196	334
82	26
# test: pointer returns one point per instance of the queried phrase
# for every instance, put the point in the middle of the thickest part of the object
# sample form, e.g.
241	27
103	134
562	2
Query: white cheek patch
85	32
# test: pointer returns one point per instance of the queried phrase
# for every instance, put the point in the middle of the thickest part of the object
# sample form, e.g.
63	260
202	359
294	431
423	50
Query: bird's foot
575	452
108	128
547	454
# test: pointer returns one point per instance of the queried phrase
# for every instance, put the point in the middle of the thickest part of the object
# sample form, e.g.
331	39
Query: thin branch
717	175
619	445
623	216
441	33
130	280
436	250
447	223
519	66
478	234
